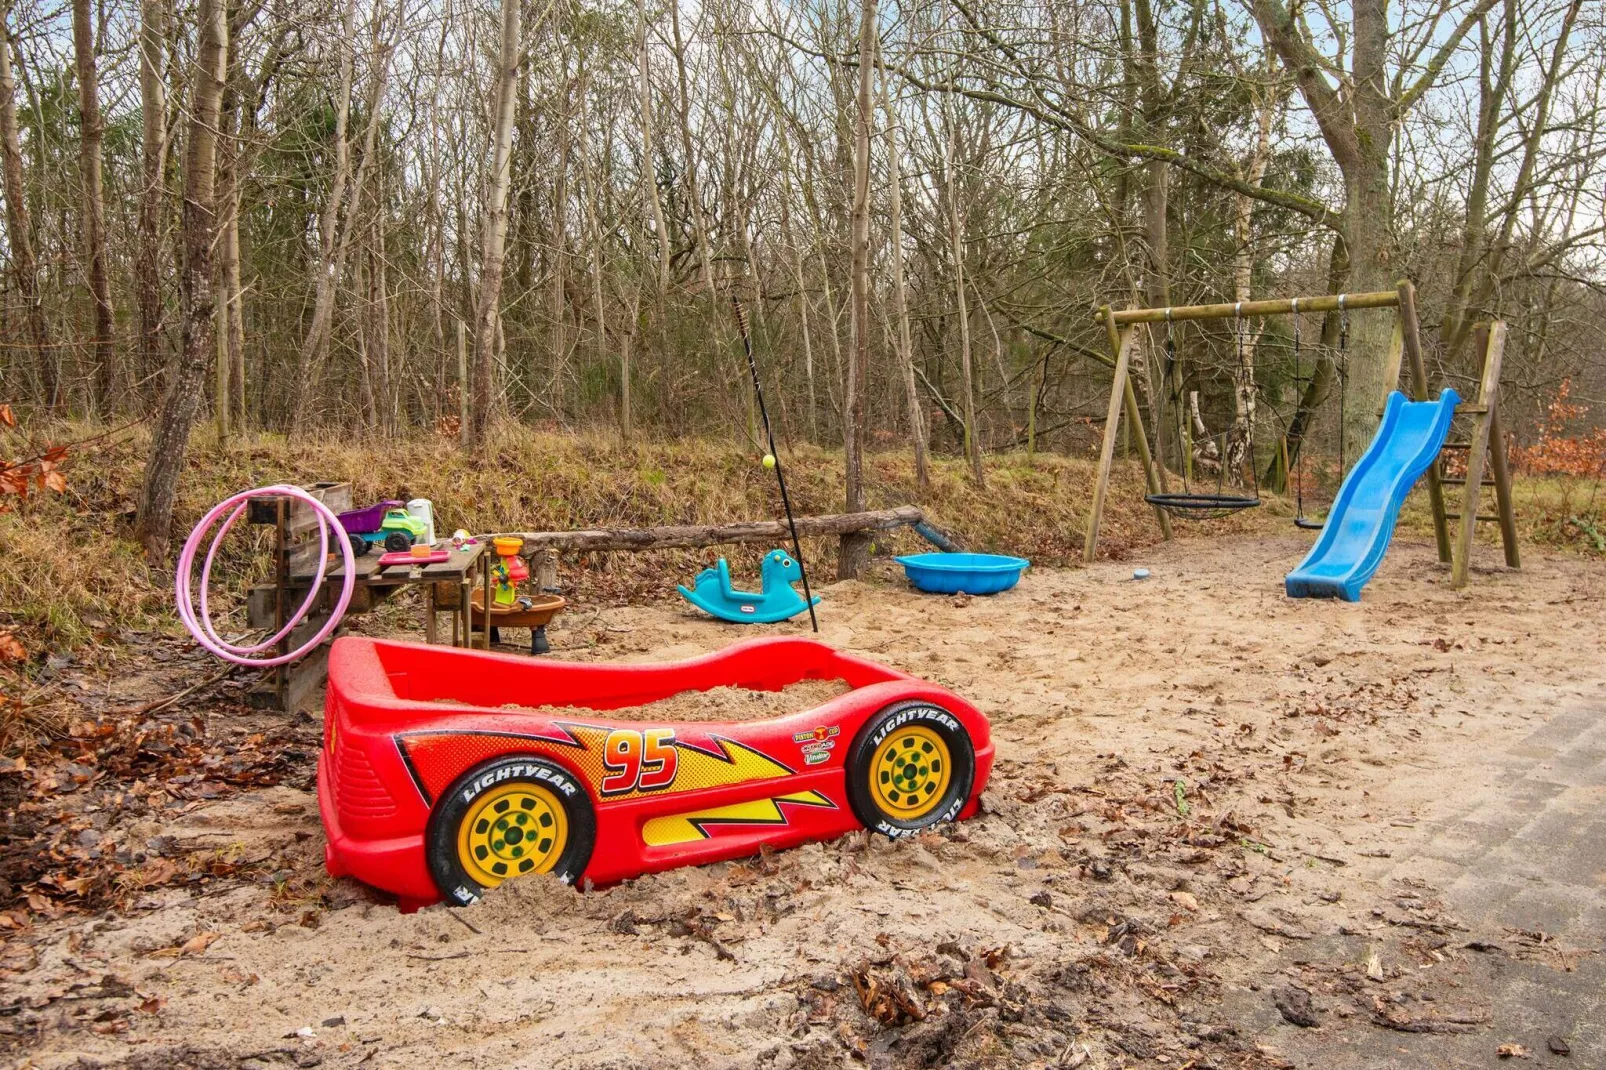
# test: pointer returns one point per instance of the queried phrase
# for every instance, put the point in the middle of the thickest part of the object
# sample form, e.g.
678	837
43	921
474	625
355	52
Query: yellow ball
769	460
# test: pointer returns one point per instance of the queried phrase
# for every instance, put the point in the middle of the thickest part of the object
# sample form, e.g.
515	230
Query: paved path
1526	850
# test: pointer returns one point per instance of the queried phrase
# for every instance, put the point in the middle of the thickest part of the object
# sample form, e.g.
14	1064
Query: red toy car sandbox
430	789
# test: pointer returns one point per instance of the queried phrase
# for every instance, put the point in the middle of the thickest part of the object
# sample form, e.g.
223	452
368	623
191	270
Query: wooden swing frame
1486	444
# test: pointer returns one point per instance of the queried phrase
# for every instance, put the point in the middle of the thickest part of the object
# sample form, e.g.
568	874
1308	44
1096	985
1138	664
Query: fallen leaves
68	846
1296	1006
195	945
1391	1015
198	943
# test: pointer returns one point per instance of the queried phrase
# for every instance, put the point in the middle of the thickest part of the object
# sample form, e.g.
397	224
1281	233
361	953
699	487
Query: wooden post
1410	334
545	570
462	384
485	607
1121	340
281	611
1153	470
1502	488
1491	341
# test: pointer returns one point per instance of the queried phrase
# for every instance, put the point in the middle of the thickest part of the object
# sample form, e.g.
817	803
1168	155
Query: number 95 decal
638	761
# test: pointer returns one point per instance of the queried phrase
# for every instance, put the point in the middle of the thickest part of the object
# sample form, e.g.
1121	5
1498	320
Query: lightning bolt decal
437	757
694	826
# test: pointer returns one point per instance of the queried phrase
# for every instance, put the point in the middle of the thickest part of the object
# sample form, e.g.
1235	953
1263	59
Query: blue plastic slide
1361	520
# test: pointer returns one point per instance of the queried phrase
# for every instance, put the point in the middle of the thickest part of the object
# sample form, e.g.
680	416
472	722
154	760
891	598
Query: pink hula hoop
200	623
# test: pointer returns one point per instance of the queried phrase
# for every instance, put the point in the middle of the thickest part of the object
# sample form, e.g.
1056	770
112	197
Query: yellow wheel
910	772
511	830
911	766
506	818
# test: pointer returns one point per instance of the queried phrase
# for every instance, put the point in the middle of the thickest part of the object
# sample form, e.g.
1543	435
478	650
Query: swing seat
713	593
1188	506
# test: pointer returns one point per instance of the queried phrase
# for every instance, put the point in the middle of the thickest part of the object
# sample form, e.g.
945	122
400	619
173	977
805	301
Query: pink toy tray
404	558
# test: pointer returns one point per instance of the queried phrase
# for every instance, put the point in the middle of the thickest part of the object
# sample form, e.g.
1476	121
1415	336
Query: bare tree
855	550
330	245
1357	119
900	297
92	135
493	240
19	232
171	436
152	193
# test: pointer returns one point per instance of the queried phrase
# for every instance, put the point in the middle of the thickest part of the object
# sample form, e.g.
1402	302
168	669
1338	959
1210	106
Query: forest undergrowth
71	576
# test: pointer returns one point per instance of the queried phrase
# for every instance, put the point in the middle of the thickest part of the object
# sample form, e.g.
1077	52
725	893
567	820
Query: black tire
501	776
398	542
896	721
359	545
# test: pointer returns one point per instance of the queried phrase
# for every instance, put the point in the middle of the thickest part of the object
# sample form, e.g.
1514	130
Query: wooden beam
1277	307
1410	334
694	535
1121	343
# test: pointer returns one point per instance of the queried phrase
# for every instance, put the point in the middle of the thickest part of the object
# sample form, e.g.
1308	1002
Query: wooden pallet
295	547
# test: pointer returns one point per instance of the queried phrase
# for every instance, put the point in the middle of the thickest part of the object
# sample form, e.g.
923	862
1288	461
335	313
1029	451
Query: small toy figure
712	592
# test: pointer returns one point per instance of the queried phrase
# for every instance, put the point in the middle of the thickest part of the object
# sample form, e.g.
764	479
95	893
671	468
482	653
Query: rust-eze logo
816	744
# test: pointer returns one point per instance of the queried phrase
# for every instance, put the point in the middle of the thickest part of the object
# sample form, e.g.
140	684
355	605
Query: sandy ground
1209	841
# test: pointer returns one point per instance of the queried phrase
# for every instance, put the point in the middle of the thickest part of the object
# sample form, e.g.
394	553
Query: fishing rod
773	458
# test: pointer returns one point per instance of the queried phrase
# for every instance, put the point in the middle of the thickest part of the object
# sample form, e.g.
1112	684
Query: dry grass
69	572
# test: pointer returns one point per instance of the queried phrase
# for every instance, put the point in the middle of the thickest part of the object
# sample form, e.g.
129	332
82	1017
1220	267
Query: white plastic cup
423	510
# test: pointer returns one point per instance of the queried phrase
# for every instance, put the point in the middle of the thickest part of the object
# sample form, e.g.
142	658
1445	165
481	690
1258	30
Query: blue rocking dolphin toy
712	592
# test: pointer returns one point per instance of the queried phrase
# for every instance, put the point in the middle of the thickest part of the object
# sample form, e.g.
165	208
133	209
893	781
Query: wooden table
465	565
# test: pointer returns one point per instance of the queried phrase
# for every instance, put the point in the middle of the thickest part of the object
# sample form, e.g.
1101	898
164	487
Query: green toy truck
386	524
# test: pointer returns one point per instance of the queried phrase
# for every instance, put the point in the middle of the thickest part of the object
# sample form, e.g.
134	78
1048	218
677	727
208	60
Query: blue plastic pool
967	573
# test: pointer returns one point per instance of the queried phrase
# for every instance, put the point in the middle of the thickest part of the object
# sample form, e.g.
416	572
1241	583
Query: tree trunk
900	297
152	199
956	243
494	237
627	345
795	248
184	388
593	211
855	549
1369	216
310	359
705	253
1358	127
231	402
1478	276
108	380
558	292
19	233
649	178
1239	454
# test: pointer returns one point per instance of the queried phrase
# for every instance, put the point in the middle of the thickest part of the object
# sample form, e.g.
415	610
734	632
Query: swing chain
1201	506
